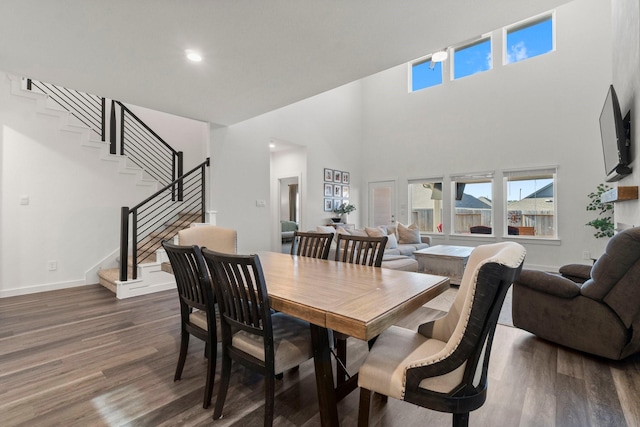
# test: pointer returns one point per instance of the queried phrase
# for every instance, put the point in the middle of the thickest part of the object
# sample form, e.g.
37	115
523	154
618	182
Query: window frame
431	180
421	61
529	22
546	172
471	178
470	43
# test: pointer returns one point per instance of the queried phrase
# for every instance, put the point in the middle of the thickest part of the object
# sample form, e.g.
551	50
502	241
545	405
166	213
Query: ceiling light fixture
439	56
192	55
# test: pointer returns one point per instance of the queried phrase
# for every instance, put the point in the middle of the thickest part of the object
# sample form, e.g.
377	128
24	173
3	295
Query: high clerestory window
531	38
425	73
472	58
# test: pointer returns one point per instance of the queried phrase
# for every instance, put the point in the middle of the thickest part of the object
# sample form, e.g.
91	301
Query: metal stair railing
88	109
160	217
145	148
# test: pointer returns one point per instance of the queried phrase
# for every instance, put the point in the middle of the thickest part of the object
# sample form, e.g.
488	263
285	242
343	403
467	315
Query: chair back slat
192	279
313	245
361	250
241	292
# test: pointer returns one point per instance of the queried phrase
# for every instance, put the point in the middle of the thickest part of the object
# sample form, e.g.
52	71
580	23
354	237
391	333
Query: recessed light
272	145
192	55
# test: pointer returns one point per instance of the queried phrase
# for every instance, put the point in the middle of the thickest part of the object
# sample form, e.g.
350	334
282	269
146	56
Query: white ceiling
259	55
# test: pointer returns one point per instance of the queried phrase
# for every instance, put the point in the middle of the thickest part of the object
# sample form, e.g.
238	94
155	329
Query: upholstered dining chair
197	308
310	244
211	237
363	250
266	342
443	365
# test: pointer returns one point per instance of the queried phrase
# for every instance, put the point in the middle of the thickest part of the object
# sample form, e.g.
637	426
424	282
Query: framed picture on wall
328	190
345	191
337	176
328	175
328	205
336	203
337	191
346	176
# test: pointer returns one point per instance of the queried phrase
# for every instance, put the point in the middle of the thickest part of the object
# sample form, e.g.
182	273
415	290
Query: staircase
143	274
151	277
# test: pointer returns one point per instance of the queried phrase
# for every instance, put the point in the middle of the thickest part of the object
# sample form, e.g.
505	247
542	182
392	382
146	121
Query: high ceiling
259	55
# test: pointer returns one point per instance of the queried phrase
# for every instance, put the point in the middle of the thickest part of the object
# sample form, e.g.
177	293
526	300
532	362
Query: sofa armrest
579	273
548	283
426	239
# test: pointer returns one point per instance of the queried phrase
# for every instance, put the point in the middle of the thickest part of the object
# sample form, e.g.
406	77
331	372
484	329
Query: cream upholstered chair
443	365
212	237
252	334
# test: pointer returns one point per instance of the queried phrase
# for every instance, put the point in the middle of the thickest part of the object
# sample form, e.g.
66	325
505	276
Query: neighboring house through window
531	202
472	204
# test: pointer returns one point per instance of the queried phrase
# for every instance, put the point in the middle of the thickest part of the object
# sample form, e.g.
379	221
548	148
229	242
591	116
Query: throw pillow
409	234
328	229
375	231
392	242
357	232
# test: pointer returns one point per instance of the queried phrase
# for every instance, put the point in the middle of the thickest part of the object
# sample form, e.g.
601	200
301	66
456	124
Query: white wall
328	126
539	112
626	79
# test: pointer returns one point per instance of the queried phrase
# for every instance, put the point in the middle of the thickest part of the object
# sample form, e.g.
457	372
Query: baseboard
4	293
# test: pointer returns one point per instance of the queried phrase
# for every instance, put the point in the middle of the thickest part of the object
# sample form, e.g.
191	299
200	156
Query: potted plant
604	223
343	211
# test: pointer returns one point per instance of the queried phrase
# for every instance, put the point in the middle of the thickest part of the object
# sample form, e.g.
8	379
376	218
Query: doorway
382	203
289	210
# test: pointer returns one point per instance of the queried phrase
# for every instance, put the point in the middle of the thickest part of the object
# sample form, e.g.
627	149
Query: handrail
153	219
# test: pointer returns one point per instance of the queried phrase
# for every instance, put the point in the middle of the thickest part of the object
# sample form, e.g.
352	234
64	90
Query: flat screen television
615	132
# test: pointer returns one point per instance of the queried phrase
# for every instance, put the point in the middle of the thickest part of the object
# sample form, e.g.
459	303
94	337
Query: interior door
382	203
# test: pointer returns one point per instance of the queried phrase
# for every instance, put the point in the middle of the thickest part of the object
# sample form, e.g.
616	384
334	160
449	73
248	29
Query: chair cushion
395	350
199	319
212	237
399	262
291	341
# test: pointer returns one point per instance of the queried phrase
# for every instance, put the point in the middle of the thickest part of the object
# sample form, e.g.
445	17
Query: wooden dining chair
443	365
197	308
266	342
363	250
310	244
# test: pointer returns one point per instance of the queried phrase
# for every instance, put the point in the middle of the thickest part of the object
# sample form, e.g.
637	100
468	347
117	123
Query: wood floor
79	357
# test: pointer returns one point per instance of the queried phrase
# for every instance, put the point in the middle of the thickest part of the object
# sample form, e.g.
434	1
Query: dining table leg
324	376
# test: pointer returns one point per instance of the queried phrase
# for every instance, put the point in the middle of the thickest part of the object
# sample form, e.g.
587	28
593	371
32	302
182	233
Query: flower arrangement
344	208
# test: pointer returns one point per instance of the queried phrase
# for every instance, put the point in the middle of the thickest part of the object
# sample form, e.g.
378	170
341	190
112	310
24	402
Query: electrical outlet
52	265
586	255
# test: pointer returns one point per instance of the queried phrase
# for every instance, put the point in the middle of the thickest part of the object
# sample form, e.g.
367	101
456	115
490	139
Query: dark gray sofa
600	316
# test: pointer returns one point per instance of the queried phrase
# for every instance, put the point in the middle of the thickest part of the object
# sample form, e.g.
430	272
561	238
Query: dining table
356	300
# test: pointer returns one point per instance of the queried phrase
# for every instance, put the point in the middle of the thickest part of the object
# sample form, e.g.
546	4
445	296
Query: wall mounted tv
616	138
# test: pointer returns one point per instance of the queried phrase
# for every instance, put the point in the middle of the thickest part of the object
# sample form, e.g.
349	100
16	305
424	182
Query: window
473	206
530	39
472	59
425	205
425	74
531	202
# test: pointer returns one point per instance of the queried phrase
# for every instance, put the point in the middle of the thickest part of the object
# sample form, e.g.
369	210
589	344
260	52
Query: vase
343	218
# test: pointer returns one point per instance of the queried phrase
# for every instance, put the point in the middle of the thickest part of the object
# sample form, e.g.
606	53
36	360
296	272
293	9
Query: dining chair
443	365
363	250
310	244
211	237
197	308
252	334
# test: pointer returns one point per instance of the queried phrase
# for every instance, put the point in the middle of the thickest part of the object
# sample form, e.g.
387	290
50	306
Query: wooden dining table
356	300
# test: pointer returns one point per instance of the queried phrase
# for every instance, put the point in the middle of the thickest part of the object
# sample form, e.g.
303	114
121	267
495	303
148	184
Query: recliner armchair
600	316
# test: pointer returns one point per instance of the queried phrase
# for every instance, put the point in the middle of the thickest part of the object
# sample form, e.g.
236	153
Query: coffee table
444	260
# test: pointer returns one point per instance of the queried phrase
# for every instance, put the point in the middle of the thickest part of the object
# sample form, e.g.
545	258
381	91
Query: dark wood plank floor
79	357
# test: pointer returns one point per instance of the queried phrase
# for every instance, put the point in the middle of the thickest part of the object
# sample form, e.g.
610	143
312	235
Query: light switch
24	200
261	203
